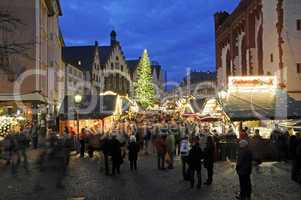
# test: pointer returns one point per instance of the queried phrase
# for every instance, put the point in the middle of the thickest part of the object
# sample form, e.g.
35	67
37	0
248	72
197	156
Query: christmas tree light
144	89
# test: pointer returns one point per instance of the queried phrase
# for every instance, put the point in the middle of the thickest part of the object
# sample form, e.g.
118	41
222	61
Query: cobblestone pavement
85	178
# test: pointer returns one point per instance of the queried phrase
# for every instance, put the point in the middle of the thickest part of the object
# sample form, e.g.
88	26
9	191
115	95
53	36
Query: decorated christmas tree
144	89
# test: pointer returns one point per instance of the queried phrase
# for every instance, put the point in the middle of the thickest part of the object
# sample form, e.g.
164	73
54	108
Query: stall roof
243	106
91	107
198	104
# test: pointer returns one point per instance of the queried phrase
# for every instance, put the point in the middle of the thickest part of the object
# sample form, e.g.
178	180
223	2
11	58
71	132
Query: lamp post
78	100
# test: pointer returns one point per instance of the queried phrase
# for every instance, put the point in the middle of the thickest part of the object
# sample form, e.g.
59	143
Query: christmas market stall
96	113
17	111
258	104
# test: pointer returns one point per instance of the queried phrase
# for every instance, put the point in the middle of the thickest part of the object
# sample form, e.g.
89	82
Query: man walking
244	170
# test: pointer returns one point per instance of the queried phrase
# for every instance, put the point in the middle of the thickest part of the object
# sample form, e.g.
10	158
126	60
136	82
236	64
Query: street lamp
78	99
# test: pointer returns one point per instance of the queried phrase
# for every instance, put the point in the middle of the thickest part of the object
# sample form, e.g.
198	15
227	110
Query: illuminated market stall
19	110
97	113
256	102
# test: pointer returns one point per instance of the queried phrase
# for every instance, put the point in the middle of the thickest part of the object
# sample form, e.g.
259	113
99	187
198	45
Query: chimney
113	38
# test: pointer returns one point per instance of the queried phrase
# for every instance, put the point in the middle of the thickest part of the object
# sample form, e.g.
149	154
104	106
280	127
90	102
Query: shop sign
253	83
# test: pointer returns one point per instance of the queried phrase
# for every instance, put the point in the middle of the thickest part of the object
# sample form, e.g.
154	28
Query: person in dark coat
133	148
298	159
106	150
195	162
244	170
293	144
209	159
116	155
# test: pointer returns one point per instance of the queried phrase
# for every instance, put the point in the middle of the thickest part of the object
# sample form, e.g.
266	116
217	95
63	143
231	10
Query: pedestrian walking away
133	149
244	170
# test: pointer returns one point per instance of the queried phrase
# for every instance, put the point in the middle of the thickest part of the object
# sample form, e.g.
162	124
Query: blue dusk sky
179	34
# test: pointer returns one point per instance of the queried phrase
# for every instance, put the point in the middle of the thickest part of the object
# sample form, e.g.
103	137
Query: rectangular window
299	68
272	58
299	24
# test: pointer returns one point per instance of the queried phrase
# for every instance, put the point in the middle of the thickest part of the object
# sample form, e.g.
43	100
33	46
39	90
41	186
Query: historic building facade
260	37
74	80
104	67
30	54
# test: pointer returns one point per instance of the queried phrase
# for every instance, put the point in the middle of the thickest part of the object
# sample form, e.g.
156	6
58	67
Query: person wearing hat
133	148
244	170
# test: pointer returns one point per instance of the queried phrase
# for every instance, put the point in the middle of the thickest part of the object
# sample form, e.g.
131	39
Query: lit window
299	68
299	24
79	62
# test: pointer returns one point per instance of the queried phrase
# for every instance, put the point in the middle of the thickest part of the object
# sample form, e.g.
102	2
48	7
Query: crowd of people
166	138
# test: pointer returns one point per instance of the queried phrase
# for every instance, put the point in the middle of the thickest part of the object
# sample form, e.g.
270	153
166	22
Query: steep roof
85	54
105	53
133	65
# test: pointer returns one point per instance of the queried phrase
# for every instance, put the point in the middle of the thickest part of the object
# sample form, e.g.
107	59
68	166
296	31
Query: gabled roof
133	65
105	53
85	54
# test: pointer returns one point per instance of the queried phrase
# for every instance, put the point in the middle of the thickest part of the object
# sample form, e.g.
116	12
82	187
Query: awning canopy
30	97
91	107
243	106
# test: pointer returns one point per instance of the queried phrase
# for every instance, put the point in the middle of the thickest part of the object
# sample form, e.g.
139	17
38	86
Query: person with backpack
184	152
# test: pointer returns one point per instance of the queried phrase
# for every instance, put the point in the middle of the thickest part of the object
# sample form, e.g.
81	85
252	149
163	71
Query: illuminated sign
253	83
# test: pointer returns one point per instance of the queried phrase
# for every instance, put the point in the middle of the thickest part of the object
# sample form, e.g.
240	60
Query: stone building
158	74
260	37
104	67
74	80
30	51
